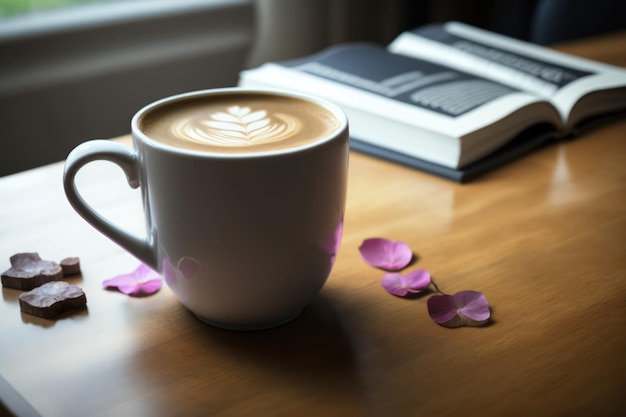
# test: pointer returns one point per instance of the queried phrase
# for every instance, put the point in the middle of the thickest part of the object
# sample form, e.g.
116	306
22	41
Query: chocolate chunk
52	298
70	266
29	271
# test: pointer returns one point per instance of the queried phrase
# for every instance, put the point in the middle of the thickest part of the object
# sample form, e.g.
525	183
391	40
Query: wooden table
543	238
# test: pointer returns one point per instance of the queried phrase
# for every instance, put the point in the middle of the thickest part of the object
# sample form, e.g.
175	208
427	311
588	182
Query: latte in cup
244	197
250	122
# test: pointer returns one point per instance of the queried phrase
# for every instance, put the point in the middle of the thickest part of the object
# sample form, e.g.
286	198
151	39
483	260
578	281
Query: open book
452	99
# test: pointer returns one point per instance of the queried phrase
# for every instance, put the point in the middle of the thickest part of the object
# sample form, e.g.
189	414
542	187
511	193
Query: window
11	8
79	69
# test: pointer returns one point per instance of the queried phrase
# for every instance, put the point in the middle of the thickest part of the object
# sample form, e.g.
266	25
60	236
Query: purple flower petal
441	308
418	280
413	282
472	305
394	284
385	254
465	308
142	281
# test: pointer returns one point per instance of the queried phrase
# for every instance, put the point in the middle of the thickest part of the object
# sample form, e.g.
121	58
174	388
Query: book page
412	106
448	99
560	78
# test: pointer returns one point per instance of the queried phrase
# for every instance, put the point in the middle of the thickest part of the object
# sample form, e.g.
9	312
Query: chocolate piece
29	271
70	266
52	298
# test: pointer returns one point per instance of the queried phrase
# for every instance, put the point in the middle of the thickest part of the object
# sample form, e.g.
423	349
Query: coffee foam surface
238	123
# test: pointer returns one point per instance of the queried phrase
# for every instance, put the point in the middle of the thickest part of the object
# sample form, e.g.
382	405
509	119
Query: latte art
238	123
237	126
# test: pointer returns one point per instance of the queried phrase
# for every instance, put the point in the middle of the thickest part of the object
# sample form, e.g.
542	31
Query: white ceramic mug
245	241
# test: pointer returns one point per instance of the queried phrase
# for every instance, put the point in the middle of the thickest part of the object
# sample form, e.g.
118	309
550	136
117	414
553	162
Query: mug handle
126	158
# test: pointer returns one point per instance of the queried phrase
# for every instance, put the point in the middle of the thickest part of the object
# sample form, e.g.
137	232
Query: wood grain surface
543	238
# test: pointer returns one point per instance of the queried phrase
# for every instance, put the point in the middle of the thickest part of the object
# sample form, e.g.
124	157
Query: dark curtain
540	21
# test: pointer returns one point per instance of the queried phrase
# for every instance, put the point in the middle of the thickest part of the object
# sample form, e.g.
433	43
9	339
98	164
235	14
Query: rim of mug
337	112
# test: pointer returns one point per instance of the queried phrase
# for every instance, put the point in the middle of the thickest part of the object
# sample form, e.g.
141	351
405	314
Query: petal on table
395	284
398	284
465	308
473	305
142	281
418	280
385	254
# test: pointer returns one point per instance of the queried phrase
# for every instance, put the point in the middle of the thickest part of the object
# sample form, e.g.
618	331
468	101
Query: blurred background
73	70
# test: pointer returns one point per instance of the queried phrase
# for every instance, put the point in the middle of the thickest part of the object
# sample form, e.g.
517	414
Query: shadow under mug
245	241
